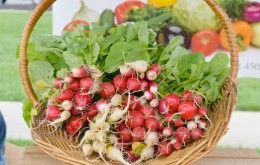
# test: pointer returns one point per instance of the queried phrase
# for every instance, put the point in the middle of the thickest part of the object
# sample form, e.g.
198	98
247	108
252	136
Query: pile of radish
125	120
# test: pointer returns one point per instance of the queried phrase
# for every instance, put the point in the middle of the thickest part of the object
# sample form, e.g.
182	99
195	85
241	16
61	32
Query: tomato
74	24
160	3
205	41
123	9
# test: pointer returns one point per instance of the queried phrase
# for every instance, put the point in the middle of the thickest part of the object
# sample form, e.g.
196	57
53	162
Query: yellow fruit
161	3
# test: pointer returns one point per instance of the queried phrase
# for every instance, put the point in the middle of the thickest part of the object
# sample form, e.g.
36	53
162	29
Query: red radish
75	112
202	124
173	102
187	96
144	84
161	127
131	157
151	124
101	105
74	125
58	83
91	112
79	72
74	85
198	99
69	79
153	87
183	134
196	133
187	110
169	116
148	95
125	135
167	131
67	105
191	125
135	113
133	84
147	110
154	103
123	146
121	126
163	107
135	104
202	112
156	68
107	90
65	95
178	122
165	149
119	82
151	75
131	74
86	84
52	112
135	121
82	100
177	146
138	134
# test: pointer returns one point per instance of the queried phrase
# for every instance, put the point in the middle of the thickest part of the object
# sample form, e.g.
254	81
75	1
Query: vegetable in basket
252	12
160	3
233	8
206	41
124	8
244	35
256	34
194	16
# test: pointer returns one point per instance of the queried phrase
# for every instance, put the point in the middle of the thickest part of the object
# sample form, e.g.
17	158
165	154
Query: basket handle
45	4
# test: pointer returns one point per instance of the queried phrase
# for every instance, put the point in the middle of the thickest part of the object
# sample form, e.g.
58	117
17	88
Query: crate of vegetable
112	94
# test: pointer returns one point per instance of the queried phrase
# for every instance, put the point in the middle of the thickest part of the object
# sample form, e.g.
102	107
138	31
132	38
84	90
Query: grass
249	94
10	86
12	24
20	142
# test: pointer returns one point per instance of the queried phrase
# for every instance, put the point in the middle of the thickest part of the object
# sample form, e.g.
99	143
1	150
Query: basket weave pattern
60	145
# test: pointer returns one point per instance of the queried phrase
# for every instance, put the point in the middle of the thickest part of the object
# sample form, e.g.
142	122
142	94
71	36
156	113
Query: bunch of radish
125	120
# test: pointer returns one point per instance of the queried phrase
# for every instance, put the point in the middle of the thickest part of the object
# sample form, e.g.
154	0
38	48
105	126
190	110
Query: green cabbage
195	15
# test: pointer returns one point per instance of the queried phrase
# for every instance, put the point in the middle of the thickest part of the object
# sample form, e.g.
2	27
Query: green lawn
20	142
10	87
11	27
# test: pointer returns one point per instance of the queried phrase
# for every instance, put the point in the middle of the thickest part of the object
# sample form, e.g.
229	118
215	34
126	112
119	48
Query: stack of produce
126	96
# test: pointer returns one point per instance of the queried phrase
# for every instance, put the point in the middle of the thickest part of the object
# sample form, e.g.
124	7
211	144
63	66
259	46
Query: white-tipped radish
139	66
124	69
148	95
87	149
88	135
151	139
99	148
154	103
147	153
202	124
65	115
151	75
173	141
167	131
67	105
116	100
191	125
116	115
112	139
153	87
115	154
79	72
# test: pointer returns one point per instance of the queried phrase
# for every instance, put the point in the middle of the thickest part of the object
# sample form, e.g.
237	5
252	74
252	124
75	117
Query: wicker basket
59	145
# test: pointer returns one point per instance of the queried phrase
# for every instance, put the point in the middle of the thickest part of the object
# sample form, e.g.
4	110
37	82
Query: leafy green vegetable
194	16
157	18
234	8
27	108
72	60
138	147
